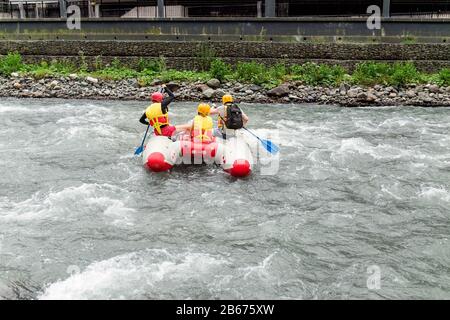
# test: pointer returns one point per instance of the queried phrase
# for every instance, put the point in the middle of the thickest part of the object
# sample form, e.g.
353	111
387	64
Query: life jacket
202	129
156	117
233	117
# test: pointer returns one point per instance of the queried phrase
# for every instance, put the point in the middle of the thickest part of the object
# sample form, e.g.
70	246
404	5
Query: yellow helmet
227	98
203	109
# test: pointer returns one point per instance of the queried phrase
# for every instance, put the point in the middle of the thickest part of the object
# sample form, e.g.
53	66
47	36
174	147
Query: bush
84	67
175	75
151	65
220	69
116	72
371	73
251	72
314	74
404	73
62	67
278	71
205	56
444	76
398	74
10	63
44	69
98	63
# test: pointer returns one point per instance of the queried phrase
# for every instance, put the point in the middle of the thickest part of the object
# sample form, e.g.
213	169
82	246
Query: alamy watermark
73	17
374	278
185	152
374	20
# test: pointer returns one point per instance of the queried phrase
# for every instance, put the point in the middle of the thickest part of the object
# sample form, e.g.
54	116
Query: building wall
284	8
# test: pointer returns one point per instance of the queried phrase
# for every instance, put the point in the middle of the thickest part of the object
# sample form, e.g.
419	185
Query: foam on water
435	193
67	204
154	273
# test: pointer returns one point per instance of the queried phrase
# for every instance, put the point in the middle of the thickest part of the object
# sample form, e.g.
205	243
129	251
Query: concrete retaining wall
185	55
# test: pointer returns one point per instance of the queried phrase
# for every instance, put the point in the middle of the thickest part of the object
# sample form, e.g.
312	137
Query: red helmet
157	97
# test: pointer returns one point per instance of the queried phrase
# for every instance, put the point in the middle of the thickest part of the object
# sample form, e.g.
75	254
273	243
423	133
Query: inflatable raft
233	155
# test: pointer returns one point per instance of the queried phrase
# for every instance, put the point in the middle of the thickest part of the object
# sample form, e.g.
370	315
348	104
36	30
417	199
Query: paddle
267	144
141	148
271	147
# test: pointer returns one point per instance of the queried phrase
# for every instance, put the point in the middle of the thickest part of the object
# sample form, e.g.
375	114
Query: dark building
224	8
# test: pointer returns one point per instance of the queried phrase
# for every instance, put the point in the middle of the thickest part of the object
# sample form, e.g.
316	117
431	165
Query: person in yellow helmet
201	127
202	124
230	117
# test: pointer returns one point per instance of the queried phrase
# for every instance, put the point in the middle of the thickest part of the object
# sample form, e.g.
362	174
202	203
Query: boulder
202	87
209	93
371	97
279	91
15	75
91	80
219	94
378	87
362	96
391	89
255	87
352	93
17	85
213	83
344	87
73	76
410	94
434	88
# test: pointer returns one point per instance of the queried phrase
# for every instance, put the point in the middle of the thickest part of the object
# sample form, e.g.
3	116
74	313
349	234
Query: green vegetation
314	74
10	63
220	69
444	77
148	70
397	74
115	72
256	73
205	56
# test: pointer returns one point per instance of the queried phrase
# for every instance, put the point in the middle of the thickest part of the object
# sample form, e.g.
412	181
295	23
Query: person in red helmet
157	114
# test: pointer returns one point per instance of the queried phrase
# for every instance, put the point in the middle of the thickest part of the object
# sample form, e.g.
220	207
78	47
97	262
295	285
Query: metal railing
32	9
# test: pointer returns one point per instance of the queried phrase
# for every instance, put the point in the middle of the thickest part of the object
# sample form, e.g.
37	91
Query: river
358	209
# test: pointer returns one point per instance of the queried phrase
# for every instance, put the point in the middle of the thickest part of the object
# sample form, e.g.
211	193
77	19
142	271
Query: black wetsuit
164	106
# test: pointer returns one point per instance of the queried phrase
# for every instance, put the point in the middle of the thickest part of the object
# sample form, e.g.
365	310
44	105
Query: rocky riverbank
75	87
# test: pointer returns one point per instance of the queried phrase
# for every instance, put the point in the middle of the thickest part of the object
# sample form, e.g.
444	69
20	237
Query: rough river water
359	207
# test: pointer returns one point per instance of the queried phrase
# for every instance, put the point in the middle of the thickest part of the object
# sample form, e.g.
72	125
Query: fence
31	9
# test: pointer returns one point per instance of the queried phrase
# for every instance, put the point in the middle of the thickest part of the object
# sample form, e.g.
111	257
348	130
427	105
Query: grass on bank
147	70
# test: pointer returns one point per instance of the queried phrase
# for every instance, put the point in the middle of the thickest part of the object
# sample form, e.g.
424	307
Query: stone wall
186	55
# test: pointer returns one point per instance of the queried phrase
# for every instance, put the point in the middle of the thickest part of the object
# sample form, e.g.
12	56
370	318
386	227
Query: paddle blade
270	146
139	151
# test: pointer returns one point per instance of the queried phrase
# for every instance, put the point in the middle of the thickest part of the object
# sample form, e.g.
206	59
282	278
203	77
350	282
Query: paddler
157	114
230	117
201	127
